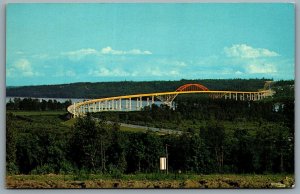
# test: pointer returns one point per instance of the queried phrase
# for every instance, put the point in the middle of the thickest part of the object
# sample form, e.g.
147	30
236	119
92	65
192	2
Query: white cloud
22	64
21	67
157	71
106	72
109	50
137	52
238	73
180	64
261	68
154	71
79	54
174	72
245	51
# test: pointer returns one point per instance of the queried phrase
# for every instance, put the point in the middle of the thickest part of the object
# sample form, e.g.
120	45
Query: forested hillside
217	136
107	89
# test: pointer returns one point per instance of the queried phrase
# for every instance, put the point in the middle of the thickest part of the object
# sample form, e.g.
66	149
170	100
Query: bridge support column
152	99
148	101
141	102
236	96
74	109
120	104
129	103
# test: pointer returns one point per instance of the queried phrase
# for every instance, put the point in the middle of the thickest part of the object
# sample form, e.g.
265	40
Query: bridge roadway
117	103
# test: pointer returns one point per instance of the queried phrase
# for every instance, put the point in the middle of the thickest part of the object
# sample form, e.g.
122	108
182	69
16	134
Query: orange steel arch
192	87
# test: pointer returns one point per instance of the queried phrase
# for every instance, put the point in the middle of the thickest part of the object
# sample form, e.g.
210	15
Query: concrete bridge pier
141	103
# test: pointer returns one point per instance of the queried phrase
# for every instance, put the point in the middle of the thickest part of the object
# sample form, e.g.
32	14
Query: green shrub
66	168
81	174
45	169
11	168
114	172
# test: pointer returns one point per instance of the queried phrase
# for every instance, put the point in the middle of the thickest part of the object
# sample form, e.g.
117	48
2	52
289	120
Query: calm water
76	100
62	100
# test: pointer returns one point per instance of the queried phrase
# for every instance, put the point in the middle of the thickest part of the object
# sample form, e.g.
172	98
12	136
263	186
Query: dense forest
36	104
108	89
218	136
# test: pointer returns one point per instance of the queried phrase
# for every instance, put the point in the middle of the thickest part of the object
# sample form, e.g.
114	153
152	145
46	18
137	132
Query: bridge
138	101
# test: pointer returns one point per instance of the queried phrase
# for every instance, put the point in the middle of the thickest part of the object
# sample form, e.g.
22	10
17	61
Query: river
76	100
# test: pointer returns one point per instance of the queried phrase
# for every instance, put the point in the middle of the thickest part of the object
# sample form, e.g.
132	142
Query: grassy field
53	115
72	121
227	181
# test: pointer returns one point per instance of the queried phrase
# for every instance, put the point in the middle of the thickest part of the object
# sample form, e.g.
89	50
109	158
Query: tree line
33	104
239	141
108	89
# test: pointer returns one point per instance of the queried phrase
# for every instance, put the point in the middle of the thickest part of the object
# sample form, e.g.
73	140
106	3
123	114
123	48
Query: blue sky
65	43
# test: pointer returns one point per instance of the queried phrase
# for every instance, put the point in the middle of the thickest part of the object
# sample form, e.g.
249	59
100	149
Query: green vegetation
151	180
108	89
29	104
219	138
37	113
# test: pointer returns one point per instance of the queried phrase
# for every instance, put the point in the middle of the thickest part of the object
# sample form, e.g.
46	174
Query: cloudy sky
64	43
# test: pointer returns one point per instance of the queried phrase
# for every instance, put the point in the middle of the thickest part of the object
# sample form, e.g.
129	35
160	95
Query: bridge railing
135	102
